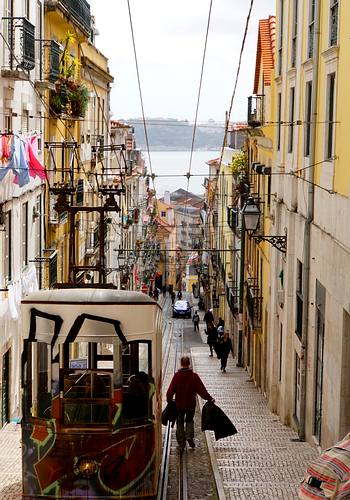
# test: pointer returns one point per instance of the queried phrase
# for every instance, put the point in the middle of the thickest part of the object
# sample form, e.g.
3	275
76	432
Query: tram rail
182	461
182	482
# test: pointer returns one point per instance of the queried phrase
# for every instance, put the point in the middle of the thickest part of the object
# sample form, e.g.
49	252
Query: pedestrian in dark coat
224	349
212	338
172	297
179	295
208	317
221	322
195	320
185	385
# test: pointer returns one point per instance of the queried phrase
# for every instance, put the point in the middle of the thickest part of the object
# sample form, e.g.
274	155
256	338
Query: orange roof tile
265	51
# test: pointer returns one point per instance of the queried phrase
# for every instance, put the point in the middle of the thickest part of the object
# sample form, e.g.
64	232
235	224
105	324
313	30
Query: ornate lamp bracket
279	242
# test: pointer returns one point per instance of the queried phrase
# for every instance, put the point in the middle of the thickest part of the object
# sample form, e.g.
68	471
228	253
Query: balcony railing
232	218
214	259
49	51
232	297
256	110
78	9
254	305
19	44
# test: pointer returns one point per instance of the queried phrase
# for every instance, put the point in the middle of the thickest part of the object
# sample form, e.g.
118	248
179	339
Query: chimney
167	197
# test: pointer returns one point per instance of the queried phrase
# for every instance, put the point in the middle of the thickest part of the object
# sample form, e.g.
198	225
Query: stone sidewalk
264	460
10	462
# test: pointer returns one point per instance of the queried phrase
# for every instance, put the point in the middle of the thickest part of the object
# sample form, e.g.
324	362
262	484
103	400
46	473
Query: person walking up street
212	338
172	297
224	349
208	317
195	320
185	385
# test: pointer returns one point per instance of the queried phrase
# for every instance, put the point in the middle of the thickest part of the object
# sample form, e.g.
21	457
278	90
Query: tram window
93	355
136	357
144	358
105	356
84	392
41	380
86	413
137	382
82	385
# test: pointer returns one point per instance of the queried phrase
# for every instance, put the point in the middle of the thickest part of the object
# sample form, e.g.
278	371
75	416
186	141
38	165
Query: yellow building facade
77	124
256	251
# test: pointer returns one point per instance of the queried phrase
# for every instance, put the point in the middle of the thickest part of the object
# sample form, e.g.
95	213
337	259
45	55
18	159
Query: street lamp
251	217
121	259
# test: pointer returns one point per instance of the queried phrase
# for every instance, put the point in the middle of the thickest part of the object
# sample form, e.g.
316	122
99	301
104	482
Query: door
297	386
5	395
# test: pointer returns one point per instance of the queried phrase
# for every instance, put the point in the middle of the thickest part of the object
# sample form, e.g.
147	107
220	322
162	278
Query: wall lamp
251	218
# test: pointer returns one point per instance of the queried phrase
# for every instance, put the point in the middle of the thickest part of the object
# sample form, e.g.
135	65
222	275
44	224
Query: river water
173	165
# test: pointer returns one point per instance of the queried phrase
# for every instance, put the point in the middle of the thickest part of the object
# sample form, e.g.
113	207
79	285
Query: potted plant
70	96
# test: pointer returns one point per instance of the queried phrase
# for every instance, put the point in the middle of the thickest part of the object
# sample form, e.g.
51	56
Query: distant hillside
176	135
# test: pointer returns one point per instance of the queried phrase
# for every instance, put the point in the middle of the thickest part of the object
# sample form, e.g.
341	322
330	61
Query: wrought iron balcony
256	110
214	258
254	304
79	10
19	47
232	297
232	218
49	63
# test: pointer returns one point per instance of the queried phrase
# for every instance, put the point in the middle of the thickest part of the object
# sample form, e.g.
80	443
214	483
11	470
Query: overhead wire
140	90
188	174
227	121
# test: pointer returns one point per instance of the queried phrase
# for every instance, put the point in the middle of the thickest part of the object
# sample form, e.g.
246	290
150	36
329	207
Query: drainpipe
307	228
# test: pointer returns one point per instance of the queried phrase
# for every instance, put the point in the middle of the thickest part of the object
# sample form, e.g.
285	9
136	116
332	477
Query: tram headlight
86	466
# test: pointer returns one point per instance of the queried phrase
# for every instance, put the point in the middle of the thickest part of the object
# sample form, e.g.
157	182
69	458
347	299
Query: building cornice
331	54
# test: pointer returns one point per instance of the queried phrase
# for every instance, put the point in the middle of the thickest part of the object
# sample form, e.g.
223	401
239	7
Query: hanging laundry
17	163
35	167
5	148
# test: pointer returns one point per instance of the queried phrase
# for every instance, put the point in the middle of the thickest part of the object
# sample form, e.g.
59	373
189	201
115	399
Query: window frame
24	234
299	304
308	117
291	119
311	28
280	38
8	247
330	116
333	19
279	119
294	40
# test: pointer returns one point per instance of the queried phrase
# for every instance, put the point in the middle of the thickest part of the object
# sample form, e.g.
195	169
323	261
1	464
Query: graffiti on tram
88	431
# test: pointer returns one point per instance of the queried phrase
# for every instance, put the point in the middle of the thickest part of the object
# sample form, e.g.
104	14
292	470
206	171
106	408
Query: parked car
182	309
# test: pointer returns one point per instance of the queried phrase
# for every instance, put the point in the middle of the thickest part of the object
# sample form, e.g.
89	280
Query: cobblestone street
264	460
10	462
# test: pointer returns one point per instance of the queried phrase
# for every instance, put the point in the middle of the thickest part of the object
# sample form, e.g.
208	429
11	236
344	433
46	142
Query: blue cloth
17	163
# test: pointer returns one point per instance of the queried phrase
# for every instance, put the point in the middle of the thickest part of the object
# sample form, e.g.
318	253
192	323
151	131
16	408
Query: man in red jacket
186	385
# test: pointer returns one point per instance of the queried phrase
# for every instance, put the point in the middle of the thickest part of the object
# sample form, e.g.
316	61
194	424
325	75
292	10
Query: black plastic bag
214	419
169	414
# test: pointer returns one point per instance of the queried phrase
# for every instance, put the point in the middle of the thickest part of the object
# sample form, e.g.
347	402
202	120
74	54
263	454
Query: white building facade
22	262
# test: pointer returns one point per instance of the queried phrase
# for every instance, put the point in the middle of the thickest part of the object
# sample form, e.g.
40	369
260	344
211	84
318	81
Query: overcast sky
170	38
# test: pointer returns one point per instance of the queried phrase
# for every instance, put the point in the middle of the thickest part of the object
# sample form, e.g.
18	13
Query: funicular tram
91	380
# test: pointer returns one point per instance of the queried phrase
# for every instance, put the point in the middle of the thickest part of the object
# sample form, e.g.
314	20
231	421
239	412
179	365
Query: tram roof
88	296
